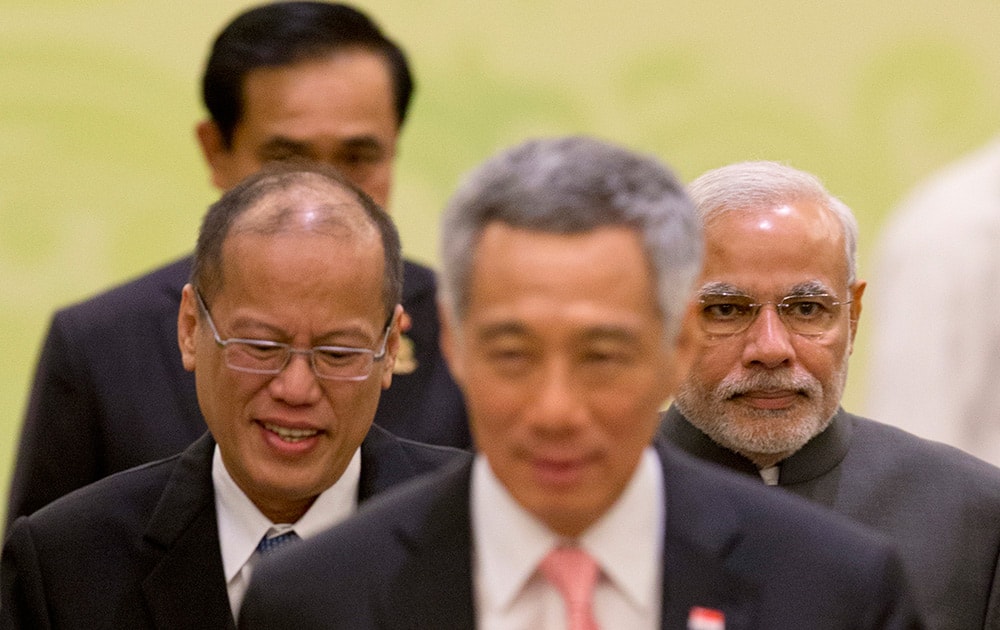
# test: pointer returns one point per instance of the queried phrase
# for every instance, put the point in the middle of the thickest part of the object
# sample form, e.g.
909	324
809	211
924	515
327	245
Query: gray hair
746	186
572	185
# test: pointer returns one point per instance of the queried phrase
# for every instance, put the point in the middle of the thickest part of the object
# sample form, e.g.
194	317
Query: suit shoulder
117	502
893	449
419	283
421	456
418	273
359	556
156	293
780	515
422	507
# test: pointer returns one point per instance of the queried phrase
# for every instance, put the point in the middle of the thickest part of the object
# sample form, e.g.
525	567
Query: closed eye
258	348
336	355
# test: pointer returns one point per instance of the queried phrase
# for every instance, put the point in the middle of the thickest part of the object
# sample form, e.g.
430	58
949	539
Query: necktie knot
267	545
574	574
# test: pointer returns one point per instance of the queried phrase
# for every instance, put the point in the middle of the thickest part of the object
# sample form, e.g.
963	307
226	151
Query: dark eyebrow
363	142
350	336
500	329
281	142
611	333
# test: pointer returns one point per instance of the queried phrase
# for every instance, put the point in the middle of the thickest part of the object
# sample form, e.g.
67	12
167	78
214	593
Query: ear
449	341
188	327
216	155
857	290
392	347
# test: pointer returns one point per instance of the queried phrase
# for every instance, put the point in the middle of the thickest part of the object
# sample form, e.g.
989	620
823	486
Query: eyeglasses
260	356
731	314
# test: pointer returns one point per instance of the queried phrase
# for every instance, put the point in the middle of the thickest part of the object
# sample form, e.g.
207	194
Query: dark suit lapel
187	587
383	463
388	461
434	587
702	532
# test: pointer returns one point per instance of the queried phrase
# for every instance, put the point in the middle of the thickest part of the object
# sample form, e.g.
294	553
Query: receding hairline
306	208
290	202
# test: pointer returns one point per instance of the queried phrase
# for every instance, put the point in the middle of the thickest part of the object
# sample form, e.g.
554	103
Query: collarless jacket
939	506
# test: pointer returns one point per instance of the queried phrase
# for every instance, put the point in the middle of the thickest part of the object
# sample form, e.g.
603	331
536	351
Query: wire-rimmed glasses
262	356
731	314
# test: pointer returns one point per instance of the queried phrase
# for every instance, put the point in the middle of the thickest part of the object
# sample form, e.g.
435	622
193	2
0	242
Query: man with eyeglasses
291	325
778	305
309	80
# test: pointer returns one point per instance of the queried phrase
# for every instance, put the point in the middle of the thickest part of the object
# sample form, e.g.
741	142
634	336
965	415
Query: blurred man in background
936	371
567	270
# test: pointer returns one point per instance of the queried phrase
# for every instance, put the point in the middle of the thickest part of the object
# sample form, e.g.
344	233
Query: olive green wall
100	177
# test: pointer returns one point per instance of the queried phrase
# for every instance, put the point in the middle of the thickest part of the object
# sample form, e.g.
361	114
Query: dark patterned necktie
267	545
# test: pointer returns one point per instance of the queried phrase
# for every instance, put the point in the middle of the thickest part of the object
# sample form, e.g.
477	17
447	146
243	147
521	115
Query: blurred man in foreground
568	265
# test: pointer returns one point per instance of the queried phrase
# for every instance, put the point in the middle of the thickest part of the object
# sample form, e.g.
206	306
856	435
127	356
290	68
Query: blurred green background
101	179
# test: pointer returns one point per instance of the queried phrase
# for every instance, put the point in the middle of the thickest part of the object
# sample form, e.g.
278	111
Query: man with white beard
778	304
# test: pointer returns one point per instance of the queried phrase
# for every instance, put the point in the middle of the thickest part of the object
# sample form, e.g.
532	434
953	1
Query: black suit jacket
140	549
939	505
767	560
111	393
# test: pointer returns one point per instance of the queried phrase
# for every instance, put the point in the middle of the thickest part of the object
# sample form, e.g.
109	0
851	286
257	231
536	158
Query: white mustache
776	380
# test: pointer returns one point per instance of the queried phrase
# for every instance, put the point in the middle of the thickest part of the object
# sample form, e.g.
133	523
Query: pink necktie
574	573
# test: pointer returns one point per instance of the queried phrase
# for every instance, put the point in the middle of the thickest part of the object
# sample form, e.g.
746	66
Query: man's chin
747	434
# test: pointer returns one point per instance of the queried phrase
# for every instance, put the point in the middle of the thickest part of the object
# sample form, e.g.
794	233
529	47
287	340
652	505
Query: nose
768	342
558	403
297	384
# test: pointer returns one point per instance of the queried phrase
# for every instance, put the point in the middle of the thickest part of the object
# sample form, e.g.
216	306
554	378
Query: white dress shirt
770	474
509	543
242	525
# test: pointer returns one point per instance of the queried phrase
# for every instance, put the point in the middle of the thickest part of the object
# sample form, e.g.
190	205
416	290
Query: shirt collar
627	541
509	541
770	474
242	525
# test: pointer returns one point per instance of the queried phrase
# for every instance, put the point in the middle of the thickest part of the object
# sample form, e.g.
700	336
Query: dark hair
284	33
223	217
